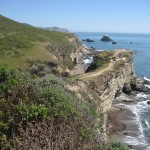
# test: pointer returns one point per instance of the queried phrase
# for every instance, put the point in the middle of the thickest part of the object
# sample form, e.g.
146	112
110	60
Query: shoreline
123	125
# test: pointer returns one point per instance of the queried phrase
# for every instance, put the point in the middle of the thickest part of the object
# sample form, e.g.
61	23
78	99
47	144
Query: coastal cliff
42	108
100	88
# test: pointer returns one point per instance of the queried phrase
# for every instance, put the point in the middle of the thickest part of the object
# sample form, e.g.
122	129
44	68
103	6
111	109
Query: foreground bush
42	113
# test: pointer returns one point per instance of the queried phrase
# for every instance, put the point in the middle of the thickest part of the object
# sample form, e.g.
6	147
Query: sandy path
110	66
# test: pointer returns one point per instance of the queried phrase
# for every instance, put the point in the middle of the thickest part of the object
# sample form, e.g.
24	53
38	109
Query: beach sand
123	125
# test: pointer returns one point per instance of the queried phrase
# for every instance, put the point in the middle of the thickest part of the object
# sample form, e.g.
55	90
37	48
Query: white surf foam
147	79
137	109
147	86
147	123
142	95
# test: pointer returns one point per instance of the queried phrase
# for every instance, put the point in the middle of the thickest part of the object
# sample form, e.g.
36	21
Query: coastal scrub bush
119	64
44	108
34	112
118	145
85	133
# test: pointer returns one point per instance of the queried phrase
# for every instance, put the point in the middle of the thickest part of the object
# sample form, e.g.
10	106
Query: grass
18	42
38	53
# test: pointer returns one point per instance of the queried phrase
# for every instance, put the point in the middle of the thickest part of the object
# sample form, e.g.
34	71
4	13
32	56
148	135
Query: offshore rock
106	38
87	40
114	42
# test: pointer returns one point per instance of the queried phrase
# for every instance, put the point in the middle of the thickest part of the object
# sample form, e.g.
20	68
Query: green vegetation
20	43
119	64
103	58
33	109
101	61
118	145
127	54
24	99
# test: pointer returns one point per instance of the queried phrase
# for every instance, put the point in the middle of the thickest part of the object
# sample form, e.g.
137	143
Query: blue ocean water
140	43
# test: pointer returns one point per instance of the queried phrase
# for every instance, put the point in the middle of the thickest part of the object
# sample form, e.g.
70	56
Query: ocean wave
142	95
147	86
147	123
138	109
132	140
147	79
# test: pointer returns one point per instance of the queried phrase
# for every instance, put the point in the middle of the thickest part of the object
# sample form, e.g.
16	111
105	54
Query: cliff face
79	49
111	84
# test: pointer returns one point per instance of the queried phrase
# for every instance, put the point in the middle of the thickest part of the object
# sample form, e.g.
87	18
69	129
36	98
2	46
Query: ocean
140	43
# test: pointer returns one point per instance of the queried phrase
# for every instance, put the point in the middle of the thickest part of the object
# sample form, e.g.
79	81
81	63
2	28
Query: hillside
40	109
21	44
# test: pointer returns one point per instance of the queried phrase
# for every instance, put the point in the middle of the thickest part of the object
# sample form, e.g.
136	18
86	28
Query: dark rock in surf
138	85
114	42
148	102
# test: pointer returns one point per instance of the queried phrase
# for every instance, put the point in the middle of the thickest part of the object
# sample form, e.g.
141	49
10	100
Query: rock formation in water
87	40
106	38
114	42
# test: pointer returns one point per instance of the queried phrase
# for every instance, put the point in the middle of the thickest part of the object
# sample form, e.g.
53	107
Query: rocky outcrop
106	38
111	84
138	85
79	49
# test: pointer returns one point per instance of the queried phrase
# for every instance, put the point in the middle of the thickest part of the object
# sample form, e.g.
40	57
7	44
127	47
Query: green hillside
21	43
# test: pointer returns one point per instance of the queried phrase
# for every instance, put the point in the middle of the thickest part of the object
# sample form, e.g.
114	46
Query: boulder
130	42
106	38
138	85
114	42
148	102
127	88
125	133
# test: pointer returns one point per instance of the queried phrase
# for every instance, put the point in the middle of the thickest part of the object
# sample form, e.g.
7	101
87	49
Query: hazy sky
82	15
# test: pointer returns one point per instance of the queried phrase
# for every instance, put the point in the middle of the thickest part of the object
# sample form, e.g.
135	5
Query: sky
125	16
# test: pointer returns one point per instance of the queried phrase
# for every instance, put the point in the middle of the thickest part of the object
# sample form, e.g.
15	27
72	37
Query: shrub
118	145
119	64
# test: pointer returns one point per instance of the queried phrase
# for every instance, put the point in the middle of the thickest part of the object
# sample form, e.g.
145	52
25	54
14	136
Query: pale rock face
102	91
111	84
79	49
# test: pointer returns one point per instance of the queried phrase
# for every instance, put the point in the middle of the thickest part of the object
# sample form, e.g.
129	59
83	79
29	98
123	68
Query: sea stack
106	38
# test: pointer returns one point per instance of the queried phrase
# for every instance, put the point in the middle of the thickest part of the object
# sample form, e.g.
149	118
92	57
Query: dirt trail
10	34
110	66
